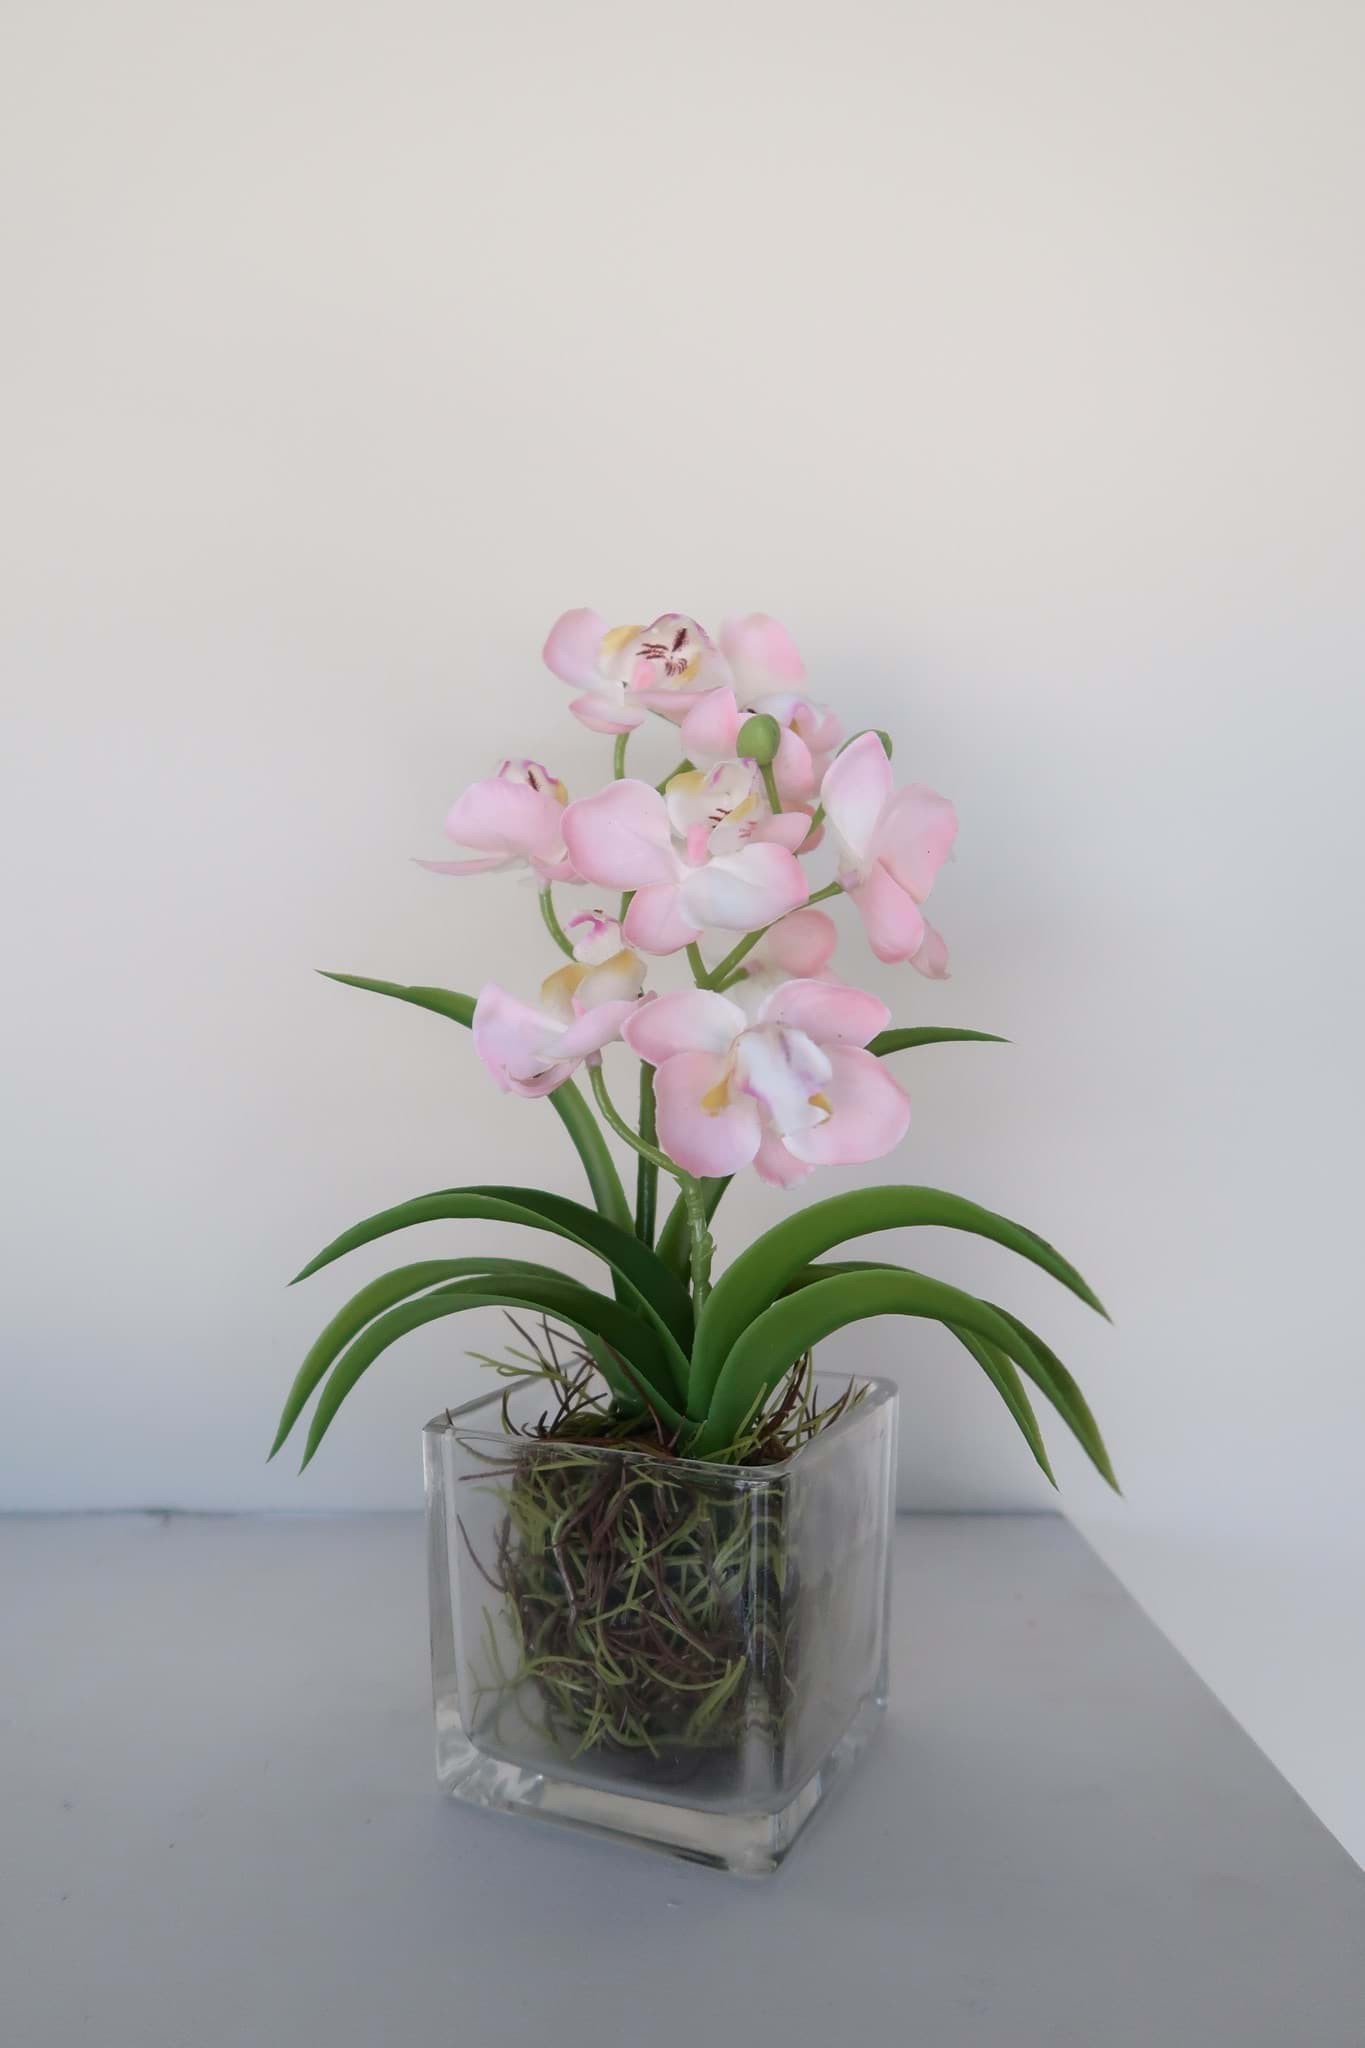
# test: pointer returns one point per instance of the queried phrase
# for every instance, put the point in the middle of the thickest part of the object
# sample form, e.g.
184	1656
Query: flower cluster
764	1059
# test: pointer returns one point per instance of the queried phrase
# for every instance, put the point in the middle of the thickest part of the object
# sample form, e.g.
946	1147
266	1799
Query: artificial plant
769	1059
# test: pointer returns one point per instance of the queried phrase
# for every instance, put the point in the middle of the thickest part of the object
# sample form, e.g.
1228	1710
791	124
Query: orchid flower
789	1090
708	852
515	819
766	667
625	671
800	945
892	843
531	1051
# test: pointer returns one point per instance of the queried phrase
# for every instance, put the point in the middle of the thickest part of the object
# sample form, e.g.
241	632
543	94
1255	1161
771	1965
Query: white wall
1011	355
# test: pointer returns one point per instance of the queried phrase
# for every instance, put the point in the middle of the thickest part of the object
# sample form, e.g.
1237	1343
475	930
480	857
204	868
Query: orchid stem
770	785
703	1244
552	924
623	1129
698	965
646	1173
693	1193
726	967
618	756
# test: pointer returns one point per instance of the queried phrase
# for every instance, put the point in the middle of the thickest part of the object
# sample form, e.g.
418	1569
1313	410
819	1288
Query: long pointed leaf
362	1308
599	1320
928	1034
785	1331
1001	1373
573	1112
1053	1380
622	1250
759	1274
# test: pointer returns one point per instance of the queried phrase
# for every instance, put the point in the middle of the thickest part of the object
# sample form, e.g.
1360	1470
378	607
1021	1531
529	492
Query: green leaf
675	1243
928	1034
648	1286
1053	1380
759	1274
639	1264
1007	1383
602	1323
573	1112
784	1332
362	1308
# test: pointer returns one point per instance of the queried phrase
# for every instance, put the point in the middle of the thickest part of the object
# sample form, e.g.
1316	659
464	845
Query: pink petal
572	648
855	792
602	714
870	1112
502	816
776	1165
787	828
827	1012
792	766
739	892
486	866
932	955
655	921
915	837
594	1029
761	653
802	943
701	1138
695	1021
620	838
891	917
710	727
511	1039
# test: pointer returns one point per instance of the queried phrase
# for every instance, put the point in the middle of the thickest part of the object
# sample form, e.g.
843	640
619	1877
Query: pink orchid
892	844
800	945
515	818
788	1090
531	1051
625	671
707	853
810	734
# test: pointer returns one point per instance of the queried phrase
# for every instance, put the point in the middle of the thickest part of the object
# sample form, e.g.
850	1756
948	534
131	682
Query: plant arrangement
627	1587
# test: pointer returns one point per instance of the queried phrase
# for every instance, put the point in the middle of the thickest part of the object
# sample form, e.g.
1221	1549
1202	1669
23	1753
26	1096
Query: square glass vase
681	1654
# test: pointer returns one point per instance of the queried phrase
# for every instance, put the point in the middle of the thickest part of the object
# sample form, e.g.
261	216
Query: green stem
694	1196
726	967
646	1172
770	785
622	1129
703	1245
552	924
618	756
684	767
698	966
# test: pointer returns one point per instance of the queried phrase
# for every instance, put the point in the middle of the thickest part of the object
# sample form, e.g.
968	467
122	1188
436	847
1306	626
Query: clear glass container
687	1655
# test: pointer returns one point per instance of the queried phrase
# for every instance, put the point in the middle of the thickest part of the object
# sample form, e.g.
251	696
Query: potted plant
660	1549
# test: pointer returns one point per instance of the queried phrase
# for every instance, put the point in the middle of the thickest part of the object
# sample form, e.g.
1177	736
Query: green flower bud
759	739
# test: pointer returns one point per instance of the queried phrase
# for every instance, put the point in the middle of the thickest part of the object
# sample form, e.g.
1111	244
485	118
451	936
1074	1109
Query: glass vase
682	1654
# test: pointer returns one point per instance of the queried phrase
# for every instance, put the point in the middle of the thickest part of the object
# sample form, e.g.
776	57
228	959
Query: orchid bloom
515	819
800	945
625	671
709	852
767	673
788	1090
891	843
531	1051
710	733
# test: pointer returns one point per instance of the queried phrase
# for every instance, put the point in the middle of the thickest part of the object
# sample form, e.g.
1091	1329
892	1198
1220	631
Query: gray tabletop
221	1827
